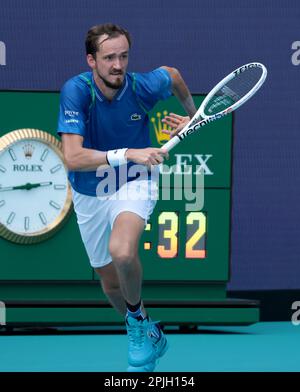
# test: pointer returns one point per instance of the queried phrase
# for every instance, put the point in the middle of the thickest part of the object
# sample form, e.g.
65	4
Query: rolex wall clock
35	195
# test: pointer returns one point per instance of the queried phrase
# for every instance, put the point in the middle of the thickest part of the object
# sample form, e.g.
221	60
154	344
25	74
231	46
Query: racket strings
233	91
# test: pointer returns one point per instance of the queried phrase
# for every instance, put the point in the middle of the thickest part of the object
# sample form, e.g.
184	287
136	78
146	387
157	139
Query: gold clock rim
48	139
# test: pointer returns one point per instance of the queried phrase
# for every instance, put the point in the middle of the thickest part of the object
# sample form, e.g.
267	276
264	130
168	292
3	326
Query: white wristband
116	157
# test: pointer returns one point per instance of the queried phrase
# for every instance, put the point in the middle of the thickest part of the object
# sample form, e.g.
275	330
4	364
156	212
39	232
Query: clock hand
27	186
44	183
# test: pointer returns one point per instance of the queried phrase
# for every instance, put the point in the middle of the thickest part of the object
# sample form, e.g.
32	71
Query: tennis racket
229	94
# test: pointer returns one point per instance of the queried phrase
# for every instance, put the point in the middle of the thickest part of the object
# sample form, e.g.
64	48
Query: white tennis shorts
96	217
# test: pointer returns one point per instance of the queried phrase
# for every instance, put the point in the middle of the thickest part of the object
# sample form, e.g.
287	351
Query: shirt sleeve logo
70	116
71	113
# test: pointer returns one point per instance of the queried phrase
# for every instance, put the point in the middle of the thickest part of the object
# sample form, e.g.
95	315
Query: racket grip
171	143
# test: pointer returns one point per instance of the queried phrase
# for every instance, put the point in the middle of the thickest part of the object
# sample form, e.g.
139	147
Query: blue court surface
262	347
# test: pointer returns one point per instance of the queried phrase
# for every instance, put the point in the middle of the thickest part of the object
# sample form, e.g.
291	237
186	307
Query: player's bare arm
181	91
78	158
147	156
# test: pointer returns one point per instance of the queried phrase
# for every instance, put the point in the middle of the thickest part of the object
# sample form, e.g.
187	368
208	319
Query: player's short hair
112	30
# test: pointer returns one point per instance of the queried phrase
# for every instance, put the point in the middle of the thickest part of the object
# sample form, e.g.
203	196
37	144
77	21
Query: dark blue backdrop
44	43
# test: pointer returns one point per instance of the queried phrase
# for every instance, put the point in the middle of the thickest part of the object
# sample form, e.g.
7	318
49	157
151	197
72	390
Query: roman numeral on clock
55	168
26	223
43	218
10	218
44	155
12	154
54	205
59	187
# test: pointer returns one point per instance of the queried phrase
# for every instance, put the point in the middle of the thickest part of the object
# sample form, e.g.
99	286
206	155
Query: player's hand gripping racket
232	92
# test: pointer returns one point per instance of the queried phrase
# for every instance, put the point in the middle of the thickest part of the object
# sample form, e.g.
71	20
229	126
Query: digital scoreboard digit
169	238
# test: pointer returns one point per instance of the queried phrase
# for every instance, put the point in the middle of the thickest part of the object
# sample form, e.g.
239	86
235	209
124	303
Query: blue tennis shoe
159	345
140	348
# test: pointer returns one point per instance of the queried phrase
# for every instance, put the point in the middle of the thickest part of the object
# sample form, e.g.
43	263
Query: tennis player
103	120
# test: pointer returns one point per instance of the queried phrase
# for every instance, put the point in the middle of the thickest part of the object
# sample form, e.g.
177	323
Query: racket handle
171	143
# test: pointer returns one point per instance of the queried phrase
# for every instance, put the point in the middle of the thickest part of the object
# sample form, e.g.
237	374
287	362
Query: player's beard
116	85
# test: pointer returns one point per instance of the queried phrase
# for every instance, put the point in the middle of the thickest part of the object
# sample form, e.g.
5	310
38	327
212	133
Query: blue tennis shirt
107	125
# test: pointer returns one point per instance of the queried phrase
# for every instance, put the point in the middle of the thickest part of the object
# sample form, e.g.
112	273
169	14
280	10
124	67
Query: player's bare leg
123	248
146	340
111	287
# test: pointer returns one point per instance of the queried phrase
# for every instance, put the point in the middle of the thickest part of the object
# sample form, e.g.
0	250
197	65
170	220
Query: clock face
34	188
